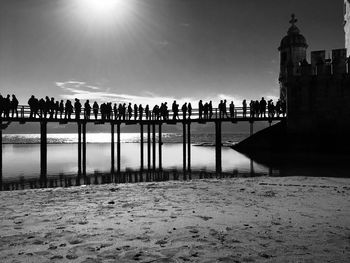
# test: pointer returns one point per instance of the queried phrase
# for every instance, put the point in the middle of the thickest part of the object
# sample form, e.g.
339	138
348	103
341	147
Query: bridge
150	121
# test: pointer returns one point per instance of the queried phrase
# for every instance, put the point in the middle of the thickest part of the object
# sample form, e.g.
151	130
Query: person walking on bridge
200	109
175	109
262	107
77	108
14	106
184	111
68	109
95	108
232	110
87	110
61	108
129	111
189	109
244	104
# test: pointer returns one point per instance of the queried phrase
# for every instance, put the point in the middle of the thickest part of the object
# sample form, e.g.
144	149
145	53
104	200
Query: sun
104	10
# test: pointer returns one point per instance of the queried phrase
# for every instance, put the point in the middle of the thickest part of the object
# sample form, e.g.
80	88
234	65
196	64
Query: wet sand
292	219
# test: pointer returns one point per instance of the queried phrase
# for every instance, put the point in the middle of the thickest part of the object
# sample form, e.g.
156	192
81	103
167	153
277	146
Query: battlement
338	64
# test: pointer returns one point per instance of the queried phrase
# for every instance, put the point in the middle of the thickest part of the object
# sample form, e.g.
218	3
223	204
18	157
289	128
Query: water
21	154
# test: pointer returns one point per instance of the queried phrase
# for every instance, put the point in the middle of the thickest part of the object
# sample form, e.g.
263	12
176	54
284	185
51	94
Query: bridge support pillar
189	148
118	150
141	148
154	146
79	150
184	148
218	145
43	149
112	151
84	149
149	147
251	127
160	146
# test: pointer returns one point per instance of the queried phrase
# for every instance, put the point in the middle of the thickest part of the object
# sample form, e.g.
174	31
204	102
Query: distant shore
228	220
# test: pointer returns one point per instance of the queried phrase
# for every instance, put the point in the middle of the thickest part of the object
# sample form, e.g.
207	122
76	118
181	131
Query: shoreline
279	219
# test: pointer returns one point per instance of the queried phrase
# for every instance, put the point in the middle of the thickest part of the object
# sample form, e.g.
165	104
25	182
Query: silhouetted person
244	104
262	107
175	109
124	111
221	111
189	109
156	112
109	110
252	109
61	108
232	110
206	110
95	108
42	107
77	108
129	111
200	109
14	106
87	110
68	110
135	111
140	112
184	111
7	106
103	110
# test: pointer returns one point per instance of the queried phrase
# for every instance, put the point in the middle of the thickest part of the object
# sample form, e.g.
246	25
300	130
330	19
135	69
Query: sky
148	51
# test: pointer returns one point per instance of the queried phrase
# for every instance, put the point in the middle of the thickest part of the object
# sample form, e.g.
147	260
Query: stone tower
292	53
347	24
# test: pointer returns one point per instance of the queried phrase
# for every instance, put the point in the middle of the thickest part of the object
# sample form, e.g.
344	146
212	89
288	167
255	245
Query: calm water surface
21	154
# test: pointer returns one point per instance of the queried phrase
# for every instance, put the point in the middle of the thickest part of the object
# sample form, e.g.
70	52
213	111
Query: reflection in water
22	164
24	159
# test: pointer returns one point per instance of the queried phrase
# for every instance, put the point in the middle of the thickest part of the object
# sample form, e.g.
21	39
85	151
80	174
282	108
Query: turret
292	53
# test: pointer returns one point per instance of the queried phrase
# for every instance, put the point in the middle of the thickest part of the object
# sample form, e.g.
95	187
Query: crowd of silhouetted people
49	108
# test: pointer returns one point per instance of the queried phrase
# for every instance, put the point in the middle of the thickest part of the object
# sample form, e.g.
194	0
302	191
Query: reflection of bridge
150	121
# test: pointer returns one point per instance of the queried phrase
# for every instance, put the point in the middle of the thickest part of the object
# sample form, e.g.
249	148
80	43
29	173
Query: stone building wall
347	24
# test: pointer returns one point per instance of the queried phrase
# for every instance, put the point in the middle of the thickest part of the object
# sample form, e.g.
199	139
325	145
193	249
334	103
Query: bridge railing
25	113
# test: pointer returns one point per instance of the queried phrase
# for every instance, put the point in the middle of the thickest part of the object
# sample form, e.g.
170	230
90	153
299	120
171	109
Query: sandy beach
262	219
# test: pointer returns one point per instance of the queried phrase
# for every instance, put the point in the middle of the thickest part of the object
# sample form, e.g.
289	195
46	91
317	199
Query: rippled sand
294	219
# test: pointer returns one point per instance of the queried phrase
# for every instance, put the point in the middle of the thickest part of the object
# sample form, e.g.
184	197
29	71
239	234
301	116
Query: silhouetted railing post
154	146
218	144
184	148
160	146
43	149
118	150
141	147
84	149
79	149
112	150
149	146
189	147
